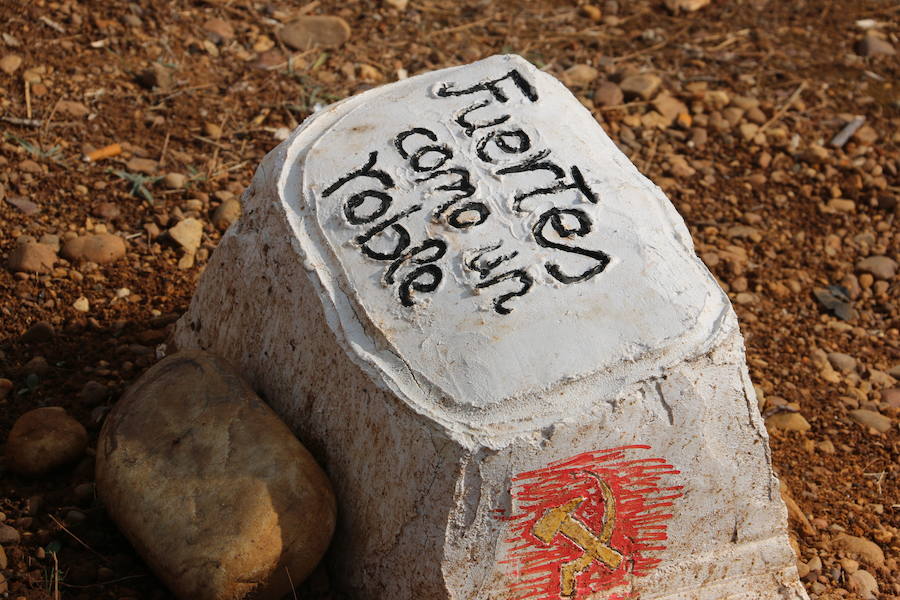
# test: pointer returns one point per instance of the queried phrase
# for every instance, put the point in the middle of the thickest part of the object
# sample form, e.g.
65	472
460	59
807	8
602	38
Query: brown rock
10	63
187	233
42	331
44	439
306	32
686	5
873	45
861	548
226	213
669	107
147	166
788	421
842	362
219	30
157	76
32	257
608	94
871	418
209	485
641	86
580	75
881	267
73	109
864	584
101	248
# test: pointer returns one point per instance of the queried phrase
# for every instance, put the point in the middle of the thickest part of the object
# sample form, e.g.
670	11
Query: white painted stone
457	421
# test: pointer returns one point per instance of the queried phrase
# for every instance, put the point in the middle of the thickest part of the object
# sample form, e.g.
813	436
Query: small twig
458	27
28	99
787	105
55	576
654	47
75	537
211	142
23	122
621	106
49	120
291	583
162	155
101	584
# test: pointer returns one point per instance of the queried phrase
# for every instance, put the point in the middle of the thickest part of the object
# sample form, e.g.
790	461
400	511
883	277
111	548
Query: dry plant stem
787	105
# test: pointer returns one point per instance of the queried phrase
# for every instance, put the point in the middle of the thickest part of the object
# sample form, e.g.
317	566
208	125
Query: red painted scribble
642	507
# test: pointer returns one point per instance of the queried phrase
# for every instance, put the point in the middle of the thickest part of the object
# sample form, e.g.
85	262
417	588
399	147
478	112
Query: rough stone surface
100	248
465	371
32	257
307	32
209	485
44	439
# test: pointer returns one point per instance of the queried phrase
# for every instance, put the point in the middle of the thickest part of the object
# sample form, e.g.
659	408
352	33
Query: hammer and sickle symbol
595	545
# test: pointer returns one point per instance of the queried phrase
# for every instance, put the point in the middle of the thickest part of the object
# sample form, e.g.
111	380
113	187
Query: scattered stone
100	248
864	584
219	30
871	418
10	63
844	134
26	206
73	109
686	5
874	45
188	233
307	32
669	107
866	135
174	181
42	440
8	535
842	362
891	397
107	210
398	4
608	94
32	257
835	300
580	75
189	516
226	213
642	86
6	387
82	304
212	130
788	421
42	331
93	393
146	166
37	366
881	267
156	76
869	552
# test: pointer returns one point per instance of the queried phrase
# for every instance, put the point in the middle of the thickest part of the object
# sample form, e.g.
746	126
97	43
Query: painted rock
522	380
210	486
